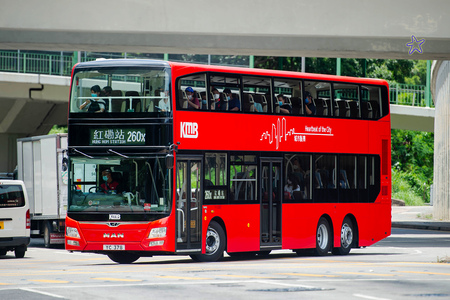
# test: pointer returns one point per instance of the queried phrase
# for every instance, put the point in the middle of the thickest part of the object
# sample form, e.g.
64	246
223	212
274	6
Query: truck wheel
47	231
20	251
123	257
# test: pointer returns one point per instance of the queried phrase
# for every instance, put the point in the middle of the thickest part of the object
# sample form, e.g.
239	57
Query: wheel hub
212	241
346	236
322	236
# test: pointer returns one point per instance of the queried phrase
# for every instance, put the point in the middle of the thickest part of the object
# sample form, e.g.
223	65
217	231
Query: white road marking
369	297
42	292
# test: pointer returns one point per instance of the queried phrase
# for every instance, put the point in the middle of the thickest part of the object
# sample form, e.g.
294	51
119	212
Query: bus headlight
72	232
157	232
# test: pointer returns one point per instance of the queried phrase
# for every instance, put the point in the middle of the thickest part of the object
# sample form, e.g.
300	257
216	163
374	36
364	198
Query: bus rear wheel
347	238
323	237
123	257
215	244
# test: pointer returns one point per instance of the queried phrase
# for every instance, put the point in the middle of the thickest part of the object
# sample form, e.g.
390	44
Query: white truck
42	166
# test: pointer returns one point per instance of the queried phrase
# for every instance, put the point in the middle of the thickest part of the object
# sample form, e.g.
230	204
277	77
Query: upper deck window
125	90
255	94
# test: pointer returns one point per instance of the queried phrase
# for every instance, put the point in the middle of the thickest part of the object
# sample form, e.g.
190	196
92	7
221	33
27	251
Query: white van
14	218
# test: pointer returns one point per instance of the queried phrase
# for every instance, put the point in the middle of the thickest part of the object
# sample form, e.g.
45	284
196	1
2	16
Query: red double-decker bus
172	158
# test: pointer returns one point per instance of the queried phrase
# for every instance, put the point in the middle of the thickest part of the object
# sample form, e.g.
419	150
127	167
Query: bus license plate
114	247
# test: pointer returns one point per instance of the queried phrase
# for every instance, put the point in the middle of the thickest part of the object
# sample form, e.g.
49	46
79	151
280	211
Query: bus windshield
141	185
122	89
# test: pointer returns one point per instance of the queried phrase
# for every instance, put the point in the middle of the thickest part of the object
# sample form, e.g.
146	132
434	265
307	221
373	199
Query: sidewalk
417	217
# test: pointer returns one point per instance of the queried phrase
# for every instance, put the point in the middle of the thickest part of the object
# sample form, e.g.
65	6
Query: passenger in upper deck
164	104
233	102
285	108
219	104
94	105
309	105
107	91
192	100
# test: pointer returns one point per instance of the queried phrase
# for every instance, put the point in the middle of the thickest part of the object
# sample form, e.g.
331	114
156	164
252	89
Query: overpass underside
321	28
30	104
412	118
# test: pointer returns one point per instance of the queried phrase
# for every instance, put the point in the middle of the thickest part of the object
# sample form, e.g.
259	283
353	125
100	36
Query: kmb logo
189	130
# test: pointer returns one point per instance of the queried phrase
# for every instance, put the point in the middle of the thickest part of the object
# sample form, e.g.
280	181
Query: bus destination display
117	137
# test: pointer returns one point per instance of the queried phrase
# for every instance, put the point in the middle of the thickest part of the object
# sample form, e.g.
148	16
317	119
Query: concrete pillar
440	88
8	151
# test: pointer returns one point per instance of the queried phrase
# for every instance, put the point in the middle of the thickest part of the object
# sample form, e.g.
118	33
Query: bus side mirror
169	161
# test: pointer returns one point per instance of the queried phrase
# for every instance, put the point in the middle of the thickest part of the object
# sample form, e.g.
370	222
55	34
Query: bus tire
123	257
323	237
347	238
215	244
20	251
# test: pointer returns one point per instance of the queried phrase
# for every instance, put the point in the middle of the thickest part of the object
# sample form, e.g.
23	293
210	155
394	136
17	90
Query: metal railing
61	64
409	94
33	62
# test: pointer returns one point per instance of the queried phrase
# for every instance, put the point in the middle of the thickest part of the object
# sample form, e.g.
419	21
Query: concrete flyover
412	118
30	104
321	28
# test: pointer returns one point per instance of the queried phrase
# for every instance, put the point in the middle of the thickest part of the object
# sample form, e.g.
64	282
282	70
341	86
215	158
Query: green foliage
393	70
58	129
401	189
412	158
418	73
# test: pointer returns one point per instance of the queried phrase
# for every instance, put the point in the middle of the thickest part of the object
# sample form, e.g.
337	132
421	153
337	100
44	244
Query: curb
442	226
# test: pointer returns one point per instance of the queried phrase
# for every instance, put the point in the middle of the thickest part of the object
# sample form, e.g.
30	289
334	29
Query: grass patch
425	216
401	189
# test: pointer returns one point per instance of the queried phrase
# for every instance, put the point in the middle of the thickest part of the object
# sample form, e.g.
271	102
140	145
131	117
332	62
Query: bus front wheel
347	238
123	257
215	244
323	237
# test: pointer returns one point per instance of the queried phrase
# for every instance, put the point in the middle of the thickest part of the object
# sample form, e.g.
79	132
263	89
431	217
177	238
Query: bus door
270	200
188	204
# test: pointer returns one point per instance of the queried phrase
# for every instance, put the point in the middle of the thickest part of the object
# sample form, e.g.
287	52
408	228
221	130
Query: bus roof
213	68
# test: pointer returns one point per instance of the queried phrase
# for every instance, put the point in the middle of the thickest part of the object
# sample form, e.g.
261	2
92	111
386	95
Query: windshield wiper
117	153
84	154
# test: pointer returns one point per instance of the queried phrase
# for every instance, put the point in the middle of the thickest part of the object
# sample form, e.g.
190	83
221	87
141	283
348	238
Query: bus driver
109	185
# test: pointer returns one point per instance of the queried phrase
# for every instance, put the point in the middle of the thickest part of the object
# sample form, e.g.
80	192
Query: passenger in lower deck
292	185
